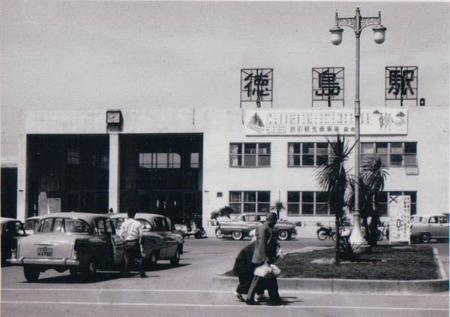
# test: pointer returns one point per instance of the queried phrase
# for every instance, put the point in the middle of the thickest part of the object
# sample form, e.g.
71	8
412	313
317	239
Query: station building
197	147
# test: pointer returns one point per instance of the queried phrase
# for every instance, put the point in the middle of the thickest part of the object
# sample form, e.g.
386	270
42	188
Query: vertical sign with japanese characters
399	218
256	86
401	84
327	86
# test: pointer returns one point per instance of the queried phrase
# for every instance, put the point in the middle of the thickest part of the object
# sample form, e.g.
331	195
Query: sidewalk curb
355	286
346	285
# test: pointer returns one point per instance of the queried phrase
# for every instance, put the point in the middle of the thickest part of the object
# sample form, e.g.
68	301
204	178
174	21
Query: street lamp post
357	23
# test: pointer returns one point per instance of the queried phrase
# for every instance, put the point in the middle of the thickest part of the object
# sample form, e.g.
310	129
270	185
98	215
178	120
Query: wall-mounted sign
401	83
399	218
257	85
383	121
327	86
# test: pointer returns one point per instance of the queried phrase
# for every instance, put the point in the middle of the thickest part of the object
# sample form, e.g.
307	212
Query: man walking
131	233
265	252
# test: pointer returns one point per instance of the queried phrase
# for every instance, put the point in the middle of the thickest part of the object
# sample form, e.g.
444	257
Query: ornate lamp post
357	23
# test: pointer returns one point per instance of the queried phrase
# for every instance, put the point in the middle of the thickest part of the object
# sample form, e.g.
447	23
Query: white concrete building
184	145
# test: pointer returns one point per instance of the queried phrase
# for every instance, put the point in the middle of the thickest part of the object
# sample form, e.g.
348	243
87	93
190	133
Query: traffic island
386	269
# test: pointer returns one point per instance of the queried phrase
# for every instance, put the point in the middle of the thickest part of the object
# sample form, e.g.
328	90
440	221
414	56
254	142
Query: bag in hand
267	270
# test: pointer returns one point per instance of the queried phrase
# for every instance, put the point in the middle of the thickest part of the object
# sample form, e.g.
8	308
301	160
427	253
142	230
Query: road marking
221	305
146	290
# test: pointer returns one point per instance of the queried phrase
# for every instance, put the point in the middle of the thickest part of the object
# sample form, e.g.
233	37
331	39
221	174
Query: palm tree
332	177
371	184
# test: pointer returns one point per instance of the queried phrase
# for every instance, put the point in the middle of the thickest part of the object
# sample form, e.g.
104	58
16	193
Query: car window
76	226
109	226
118	222
20	230
443	219
58	225
31	224
145	224
252	218
433	220
159	223
100	226
46	225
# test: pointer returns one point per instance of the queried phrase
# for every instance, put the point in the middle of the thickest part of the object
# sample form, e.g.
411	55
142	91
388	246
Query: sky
79	55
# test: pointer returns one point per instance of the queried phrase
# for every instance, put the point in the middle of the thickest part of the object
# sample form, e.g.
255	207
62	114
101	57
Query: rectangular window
159	160
249	201
195	160
392	154
308	203
250	154
308	154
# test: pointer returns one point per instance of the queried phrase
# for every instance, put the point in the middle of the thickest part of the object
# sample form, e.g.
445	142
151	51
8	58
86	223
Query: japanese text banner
384	121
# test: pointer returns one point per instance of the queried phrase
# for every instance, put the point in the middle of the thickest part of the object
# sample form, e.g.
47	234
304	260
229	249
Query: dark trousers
132	250
245	280
261	283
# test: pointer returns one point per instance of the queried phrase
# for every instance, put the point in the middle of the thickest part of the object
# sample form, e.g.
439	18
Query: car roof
5	219
86	216
35	217
141	215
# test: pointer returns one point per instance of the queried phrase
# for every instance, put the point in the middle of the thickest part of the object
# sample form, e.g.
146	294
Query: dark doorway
162	173
9	192
67	173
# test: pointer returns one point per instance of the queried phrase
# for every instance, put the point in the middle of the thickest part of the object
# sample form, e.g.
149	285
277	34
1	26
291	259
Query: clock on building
114	120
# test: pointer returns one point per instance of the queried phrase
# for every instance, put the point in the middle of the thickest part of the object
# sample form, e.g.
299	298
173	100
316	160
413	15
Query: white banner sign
385	121
399	219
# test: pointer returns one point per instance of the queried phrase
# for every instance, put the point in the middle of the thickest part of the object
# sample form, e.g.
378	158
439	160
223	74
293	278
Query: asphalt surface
187	290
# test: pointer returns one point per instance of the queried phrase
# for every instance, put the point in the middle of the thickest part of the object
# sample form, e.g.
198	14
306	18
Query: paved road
188	290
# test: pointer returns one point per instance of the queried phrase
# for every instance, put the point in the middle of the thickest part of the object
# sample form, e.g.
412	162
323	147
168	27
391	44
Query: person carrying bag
264	255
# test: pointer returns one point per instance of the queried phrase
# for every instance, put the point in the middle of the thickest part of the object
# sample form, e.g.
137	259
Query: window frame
242	202
301	203
387	157
256	154
300	155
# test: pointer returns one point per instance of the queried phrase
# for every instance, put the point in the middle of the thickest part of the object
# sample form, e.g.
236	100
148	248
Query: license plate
44	251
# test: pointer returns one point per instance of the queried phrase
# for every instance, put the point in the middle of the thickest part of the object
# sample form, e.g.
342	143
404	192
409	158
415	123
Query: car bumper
48	262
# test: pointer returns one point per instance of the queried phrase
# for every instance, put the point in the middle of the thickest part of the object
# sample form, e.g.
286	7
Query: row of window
305	203
157	160
313	154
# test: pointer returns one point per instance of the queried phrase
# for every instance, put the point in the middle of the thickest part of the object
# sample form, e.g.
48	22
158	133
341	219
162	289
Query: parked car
79	242
159	240
11	230
31	224
427	227
244	223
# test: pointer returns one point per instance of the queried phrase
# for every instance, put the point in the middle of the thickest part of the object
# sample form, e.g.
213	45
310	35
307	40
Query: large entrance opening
162	173
67	173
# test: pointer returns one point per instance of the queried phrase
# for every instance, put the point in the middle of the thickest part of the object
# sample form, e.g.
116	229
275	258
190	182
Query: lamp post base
357	241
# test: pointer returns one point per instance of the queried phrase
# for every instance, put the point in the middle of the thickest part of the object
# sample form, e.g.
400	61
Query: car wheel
425	237
31	273
283	235
219	234
89	271
237	235
321	234
176	259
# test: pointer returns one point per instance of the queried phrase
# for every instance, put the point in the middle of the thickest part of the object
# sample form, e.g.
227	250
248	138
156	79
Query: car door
169	238
102	244
115	241
158	227
443	226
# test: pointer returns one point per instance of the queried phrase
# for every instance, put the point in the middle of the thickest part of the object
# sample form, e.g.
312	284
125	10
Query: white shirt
131	229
